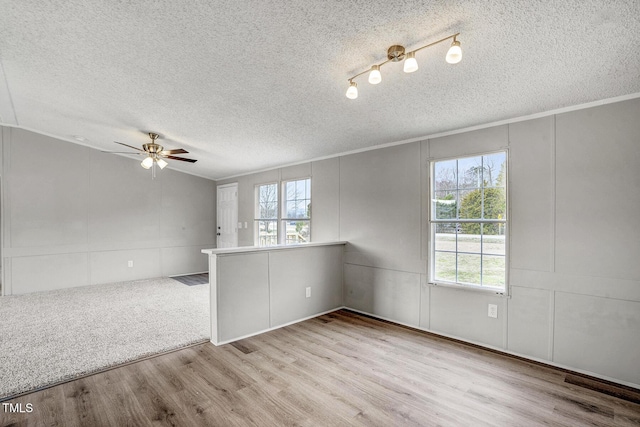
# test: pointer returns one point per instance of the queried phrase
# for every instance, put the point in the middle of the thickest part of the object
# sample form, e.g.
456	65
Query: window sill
485	290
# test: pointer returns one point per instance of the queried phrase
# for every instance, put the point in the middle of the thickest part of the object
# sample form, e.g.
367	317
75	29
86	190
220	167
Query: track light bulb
352	92
374	76
410	63
161	163
454	55
147	163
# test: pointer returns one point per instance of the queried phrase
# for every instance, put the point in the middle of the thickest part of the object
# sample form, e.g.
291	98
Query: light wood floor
335	370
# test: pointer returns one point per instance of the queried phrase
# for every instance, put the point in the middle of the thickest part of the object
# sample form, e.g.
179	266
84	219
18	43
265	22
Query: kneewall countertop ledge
241	249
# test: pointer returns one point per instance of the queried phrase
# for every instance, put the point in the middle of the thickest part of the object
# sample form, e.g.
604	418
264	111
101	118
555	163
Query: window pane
267	201
469	242
301	209
271	210
471	204
445	266
493	270
469	269
445	204
297	209
472	228
290	190
470	172
494	169
495	203
445	237
290	209
493	239
300	189
445	175
297	232
267	233
298	200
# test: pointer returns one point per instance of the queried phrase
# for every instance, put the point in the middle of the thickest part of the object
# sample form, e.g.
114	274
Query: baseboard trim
253	334
627	393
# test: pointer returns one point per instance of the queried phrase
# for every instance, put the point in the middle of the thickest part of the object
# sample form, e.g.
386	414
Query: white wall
574	244
74	216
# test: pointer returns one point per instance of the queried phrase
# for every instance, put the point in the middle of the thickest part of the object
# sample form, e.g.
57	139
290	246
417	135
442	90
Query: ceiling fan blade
127	145
181	159
174	151
121	152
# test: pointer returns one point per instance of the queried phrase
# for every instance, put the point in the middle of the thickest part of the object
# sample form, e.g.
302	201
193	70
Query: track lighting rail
396	53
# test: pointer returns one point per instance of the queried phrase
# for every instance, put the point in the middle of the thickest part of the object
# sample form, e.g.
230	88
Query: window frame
256	215
281	219
432	221
282	233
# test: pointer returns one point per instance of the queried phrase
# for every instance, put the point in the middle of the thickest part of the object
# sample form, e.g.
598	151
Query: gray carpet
49	337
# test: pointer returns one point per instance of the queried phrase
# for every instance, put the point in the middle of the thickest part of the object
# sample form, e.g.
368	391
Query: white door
227	213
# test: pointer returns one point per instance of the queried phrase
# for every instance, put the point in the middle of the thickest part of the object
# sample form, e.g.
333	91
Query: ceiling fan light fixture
147	163
161	163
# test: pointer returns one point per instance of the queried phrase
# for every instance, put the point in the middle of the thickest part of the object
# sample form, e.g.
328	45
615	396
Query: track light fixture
352	92
374	75
396	53
410	63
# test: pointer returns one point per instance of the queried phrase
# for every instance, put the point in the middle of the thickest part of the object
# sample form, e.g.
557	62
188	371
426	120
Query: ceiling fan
155	153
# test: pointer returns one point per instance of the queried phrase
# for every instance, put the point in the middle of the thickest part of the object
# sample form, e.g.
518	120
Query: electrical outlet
493	311
130	264
309	292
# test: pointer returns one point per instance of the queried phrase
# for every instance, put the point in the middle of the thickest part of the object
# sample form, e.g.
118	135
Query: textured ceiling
249	85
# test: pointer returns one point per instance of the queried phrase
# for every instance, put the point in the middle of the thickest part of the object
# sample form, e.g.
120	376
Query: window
469	221
292	211
266	219
296	212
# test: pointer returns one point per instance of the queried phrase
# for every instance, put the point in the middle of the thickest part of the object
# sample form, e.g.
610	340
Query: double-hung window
468	218
266	219
296	211
283	217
